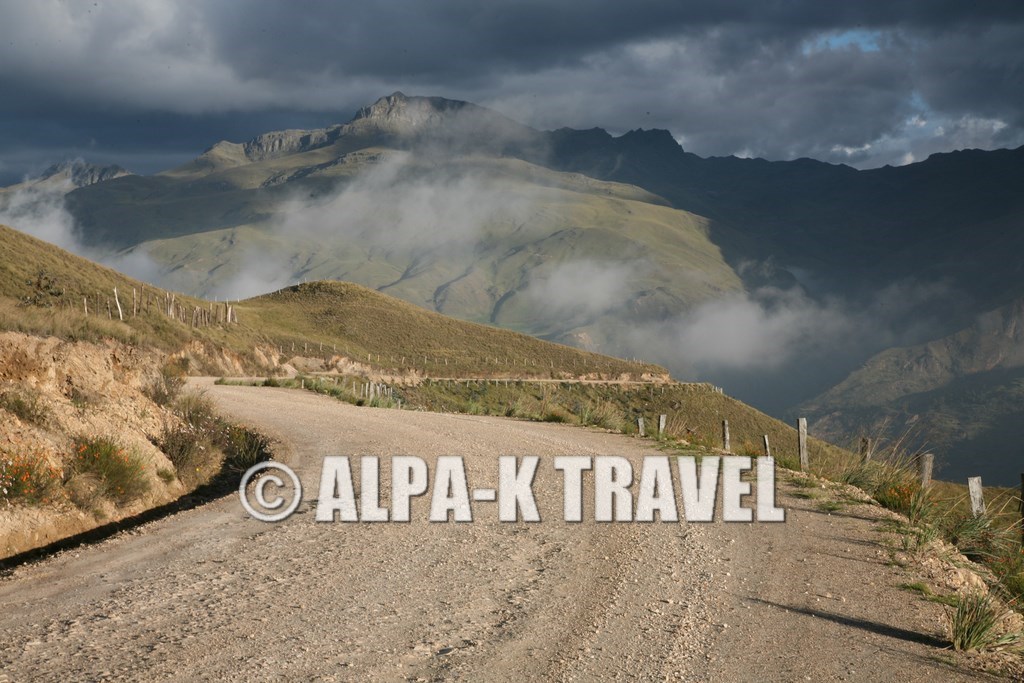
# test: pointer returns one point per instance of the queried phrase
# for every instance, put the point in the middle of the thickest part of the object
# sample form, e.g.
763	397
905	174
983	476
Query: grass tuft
122	473
974	624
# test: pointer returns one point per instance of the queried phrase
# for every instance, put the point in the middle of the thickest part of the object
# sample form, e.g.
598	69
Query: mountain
434	201
960	396
68	175
621	244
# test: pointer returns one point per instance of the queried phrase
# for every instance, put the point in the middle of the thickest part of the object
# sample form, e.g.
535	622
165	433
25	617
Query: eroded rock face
80	173
284	142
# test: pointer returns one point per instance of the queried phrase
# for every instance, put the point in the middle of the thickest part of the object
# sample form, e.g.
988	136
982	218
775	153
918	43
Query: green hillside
42	290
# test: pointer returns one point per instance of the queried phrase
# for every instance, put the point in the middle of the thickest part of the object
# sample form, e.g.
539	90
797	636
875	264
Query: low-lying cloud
777	347
40	210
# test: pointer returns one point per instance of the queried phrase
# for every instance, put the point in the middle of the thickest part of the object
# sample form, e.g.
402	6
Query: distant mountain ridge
960	395
578	235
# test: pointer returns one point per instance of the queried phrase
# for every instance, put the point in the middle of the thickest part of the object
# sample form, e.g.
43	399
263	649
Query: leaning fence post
661	425
640	425
977	496
925	465
767	448
726	446
865	449
801	440
120	313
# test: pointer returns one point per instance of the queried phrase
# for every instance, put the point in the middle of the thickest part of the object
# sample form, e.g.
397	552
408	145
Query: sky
149	84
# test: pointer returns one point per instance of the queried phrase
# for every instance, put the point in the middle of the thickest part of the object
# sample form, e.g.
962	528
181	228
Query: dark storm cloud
864	83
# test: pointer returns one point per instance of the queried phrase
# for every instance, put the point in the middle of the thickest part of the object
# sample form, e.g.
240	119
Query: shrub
898	496
27	479
600	414
190	451
122	473
1007	563
244	448
974	536
197	411
165	388
26	407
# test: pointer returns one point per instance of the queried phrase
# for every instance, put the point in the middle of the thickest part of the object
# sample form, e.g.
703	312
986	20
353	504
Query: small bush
863	475
190	451
601	414
898	496
197	411
164	389
974	624
27	479
244	448
122	473
26	407
1008	566
974	536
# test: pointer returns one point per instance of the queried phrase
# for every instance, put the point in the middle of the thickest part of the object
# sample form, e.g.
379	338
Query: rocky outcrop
81	173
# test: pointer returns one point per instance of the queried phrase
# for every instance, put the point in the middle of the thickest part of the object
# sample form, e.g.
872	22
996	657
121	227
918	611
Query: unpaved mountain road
210	594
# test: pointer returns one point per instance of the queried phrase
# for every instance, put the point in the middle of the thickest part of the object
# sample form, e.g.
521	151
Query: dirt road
211	594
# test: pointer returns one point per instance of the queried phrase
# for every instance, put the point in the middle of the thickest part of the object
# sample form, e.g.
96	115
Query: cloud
837	81
256	274
39	210
778	347
581	287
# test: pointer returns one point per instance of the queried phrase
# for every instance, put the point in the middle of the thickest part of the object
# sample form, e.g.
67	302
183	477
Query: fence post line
726	445
801	440
977	496
925	464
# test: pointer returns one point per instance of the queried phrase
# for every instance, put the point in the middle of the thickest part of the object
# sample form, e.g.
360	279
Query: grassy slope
360	322
352	318
212	226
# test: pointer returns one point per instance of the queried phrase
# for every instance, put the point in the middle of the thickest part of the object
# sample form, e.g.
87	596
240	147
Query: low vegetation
27	479
974	624
25	406
121	474
205	445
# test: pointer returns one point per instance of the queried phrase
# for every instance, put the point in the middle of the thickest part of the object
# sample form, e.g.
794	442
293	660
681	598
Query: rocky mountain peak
398	113
81	173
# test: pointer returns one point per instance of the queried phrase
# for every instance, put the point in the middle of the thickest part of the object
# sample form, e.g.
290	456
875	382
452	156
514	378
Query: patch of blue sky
862	39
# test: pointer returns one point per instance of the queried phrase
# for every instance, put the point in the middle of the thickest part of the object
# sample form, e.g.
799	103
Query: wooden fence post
925	465
640	425
662	419
726	445
801	440
865	449
977	496
767	448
